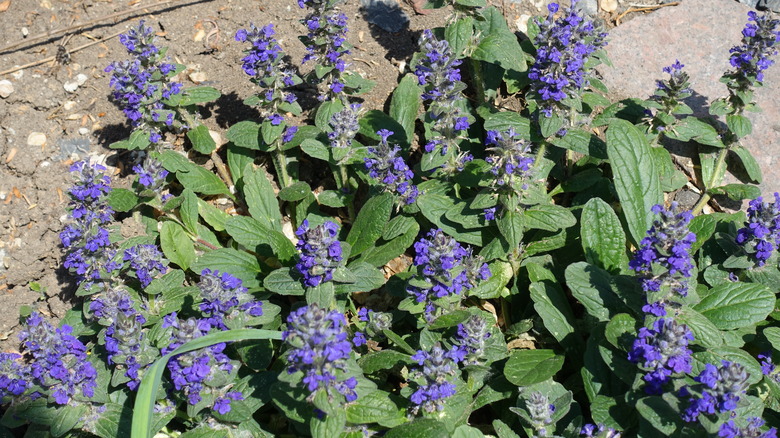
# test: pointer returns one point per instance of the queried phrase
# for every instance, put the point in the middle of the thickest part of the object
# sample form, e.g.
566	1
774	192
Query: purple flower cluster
563	46
263	63
768	367
320	252
59	361
126	342
511	161
471	337
376	322
319	348
437	369
151	177
146	261
85	239
761	234
14	376
752	57
752	429
142	83
225	297
540	411
600	431
437	71
200	371
384	164
443	263
676	87
663	259
663	350
326	44
721	388
345	126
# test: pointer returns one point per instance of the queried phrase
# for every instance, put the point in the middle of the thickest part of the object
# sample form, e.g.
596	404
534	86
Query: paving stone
699	33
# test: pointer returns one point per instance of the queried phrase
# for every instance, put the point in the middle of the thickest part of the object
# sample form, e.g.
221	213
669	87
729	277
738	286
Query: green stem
280	163
478	80
716	177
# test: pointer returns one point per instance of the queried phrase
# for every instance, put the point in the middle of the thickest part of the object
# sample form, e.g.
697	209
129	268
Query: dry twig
642	9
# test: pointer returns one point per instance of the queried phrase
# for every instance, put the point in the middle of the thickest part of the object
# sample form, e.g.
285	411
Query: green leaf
739	125
419	428
122	200
115	421
705	333
405	104
176	245
603	239
735	305
295	192
501	274
282	282
692	128
459	34
330	425
582	141
381	254
592	287
150	384
325	112
375	120
370	223
636	177
382	360
498	44
315	149
212	215
254	235
717	355
526	367
661	413
66	418
261	199
247	135
201	140
195	95
737	192
502	121
373	408
174	278
511	227
552	306
548	217
550	125
435	206
139	140
239	264
749	163
368	278
200	180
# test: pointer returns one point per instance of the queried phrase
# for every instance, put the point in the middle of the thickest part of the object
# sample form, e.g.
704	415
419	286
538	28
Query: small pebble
83	131
216	137
522	23
17	74
198	77
81	79
69	105
71	87
36	139
6	88
608	5
25	32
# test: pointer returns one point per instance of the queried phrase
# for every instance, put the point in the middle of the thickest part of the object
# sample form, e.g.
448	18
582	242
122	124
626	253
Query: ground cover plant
442	268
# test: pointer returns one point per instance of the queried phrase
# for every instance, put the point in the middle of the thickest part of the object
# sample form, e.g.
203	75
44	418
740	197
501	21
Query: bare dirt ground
59	111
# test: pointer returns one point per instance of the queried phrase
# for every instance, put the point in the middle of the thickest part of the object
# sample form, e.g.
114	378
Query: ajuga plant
463	270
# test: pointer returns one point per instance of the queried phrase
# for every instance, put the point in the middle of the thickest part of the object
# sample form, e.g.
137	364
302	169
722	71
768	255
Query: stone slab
699	33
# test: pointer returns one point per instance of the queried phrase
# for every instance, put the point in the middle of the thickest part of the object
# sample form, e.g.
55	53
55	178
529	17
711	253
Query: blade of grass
147	391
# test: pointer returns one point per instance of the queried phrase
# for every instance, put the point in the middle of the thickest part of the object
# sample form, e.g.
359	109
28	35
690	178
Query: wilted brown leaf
4	5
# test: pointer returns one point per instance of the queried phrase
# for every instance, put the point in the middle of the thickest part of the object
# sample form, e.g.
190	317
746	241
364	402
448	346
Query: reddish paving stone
699	33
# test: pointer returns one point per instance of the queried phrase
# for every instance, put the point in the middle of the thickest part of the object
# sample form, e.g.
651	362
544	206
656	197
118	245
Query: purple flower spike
436	369
384	165
663	259
563	47
225	298
761	234
319	348
721	388
663	350
320	252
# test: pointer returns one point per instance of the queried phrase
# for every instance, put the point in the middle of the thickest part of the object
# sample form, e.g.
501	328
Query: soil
78	124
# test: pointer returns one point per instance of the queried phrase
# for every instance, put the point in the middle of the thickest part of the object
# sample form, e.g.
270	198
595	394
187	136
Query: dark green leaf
295	192
405	104
434	207
511	227
737	192
548	217
200	180
636	176
195	95
419	428
603	239
550	125
261	199
739	125
370	223
201	139
592	287
176	245
282	282
749	163
582	141
375	120
552	306
526	367
122	200
736	305
239	264
247	135
254	235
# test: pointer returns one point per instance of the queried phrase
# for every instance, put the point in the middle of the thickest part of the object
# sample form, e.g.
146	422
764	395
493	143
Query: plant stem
350	192
716	177
478	80
280	163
